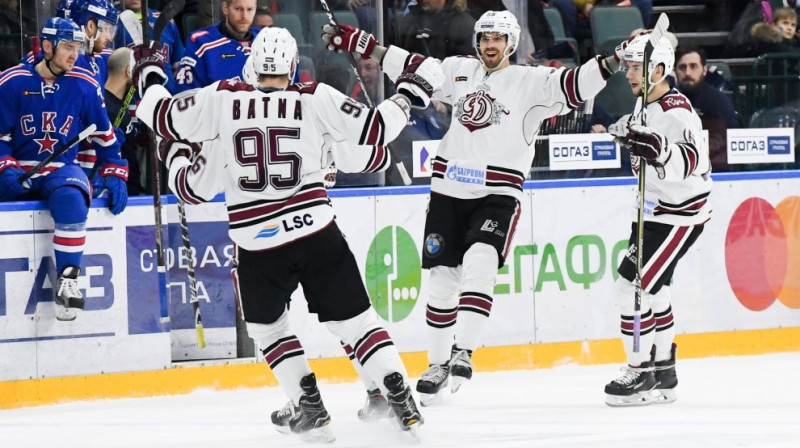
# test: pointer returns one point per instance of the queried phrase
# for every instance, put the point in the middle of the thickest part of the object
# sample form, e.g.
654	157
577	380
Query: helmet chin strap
91	40
49	67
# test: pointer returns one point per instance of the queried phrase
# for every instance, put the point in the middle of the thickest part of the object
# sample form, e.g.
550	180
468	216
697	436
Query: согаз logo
762	253
393	273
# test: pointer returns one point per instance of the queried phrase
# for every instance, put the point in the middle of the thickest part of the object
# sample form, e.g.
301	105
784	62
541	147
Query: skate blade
283	429
65	314
663	396
456	382
621	401
432	399
413	432
374	416
323	434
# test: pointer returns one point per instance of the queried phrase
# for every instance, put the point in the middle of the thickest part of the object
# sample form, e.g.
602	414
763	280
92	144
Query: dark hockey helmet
59	29
82	10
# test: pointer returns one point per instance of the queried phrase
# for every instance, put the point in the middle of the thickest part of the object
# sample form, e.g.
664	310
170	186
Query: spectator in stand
263	18
437	28
575	13
714	108
780	36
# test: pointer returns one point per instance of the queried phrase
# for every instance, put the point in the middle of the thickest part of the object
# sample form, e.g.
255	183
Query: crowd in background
442	28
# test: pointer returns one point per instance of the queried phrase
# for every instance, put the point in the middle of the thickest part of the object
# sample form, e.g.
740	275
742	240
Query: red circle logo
762	253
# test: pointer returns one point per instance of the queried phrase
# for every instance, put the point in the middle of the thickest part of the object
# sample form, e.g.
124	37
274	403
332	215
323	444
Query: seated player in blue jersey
219	51
46	105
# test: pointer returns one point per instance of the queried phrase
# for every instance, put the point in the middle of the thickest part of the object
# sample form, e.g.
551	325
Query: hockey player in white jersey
667	134
478	173
268	153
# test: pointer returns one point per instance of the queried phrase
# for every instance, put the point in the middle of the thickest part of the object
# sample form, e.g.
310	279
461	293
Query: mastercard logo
762	253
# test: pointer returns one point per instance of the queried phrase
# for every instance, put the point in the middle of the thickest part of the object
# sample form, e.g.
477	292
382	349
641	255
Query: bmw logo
434	245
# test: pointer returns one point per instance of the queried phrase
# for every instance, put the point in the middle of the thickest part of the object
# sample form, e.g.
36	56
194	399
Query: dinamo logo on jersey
479	110
393	273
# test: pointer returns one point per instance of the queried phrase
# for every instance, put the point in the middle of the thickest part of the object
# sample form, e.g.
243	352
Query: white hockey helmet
274	52
502	22
663	53
249	72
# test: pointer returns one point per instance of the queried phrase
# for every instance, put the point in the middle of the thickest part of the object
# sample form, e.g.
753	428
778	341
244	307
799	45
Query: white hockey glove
648	144
419	80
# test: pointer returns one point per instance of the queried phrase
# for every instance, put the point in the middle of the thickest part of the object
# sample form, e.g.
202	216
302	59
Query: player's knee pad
350	330
68	205
266	334
626	294
480	268
444	285
660	301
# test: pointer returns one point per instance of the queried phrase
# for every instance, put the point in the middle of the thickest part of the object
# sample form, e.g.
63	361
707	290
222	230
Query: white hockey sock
665	326
372	346
368	383
441	313
283	352
475	301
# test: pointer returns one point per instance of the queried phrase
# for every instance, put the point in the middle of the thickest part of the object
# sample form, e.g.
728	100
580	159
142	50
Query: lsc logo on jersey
393	273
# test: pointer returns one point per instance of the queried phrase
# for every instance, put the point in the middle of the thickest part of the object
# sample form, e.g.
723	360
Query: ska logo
393	273
762	253
479	110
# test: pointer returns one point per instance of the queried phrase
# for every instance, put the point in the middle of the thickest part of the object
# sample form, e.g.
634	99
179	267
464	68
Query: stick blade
659	29
132	25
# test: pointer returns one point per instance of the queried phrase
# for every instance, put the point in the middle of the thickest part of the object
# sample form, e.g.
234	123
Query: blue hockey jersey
212	56
39	115
96	63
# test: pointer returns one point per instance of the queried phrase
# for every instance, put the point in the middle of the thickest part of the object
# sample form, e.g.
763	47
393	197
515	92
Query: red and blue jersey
212	55
39	115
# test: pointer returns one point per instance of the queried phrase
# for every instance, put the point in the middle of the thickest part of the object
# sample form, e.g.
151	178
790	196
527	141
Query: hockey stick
401	169
655	36
126	102
166	15
58	153
198	319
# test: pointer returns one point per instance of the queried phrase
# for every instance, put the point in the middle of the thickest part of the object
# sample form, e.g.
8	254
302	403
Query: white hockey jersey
267	151
678	193
489	147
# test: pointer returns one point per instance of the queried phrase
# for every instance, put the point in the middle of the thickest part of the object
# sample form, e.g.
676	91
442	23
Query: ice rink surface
751	401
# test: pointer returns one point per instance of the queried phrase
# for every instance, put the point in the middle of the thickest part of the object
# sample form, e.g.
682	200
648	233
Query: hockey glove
419	80
10	172
648	144
149	66
349	39
168	150
116	178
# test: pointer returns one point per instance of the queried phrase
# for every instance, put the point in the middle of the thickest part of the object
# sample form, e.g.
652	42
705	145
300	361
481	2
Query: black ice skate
68	297
666	379
281	418
632	388
311	421
432	383
376	407
402	402
460	368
